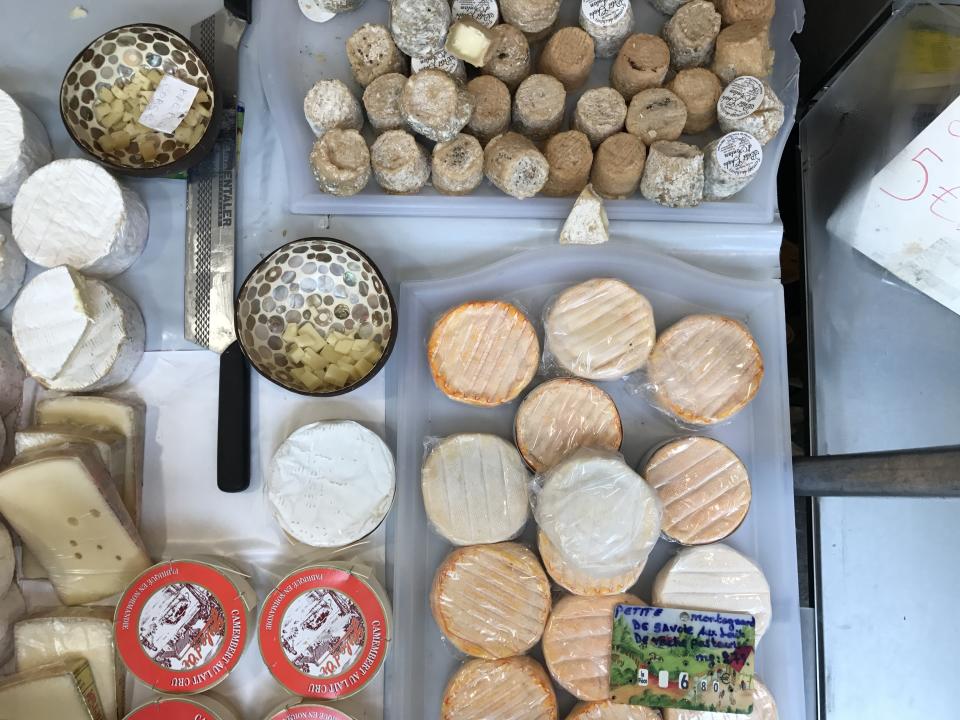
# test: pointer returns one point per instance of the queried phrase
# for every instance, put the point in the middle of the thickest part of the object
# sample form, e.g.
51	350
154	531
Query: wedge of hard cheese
65	508
70	633
61	691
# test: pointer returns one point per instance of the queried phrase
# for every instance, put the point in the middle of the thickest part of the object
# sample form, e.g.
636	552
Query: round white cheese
73	212
331	483
714	577
11	375
764	708
475	489
13	266
24	147
598	513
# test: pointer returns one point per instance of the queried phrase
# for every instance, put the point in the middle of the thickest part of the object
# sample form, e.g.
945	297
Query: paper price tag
169	105
604	12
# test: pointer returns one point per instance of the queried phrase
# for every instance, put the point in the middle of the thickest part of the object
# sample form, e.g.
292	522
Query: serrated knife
208	306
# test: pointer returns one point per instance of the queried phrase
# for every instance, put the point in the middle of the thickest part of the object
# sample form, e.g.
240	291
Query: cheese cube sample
312	360
297	355
344	346
336	375
61	691
63	505
290	332
330	353
470	41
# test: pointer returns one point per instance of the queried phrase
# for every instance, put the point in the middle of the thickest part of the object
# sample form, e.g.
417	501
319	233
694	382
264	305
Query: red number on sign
926	176
954	128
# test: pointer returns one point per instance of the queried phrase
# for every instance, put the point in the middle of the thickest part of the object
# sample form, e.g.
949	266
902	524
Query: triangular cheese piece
587	223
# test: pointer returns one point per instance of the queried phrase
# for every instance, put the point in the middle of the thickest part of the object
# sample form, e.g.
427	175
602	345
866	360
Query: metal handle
233	429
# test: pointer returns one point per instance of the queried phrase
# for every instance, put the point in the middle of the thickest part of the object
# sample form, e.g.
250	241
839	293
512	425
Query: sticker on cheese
483	353
24	147
484	12
306	711
331	483
577	581
182	625
609	710
475	489
66	509
516	688
714	577
491	601
75	333
704	488
704	369
598	513
764	708
740	98
601	329
60	634
11	375
13	266
577	642
63	690
12	608
561	416
325	630
196	708
73	212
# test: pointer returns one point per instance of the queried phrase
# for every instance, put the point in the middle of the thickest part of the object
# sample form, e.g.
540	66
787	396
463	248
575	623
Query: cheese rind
587	222
59	691
764	708
110	446
24	147
577	581
513	689
13	266
12	608
610	710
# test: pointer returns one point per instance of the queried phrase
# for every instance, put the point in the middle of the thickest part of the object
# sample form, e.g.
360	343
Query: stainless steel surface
931	472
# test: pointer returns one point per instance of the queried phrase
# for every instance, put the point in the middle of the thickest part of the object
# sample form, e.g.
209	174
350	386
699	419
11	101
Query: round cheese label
442	60
181	626
740	98
484	12
604	12
315	10
308	711
739	154
165	709
324	632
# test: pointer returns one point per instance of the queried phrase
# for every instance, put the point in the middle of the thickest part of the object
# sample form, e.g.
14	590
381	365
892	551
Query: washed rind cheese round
610	710
601	329
491	601
577	581
73	212
13	266
704	488
203	707
705	368
517	688
764	708
577	642
475	489
331	483
24	147
483	353
561	416
714	577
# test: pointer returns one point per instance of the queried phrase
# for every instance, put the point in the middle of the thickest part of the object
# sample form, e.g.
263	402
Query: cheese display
578	582
609	710
11	376
198	707
475	489
705	368
580	509
306	711
331	483
8	560
601	329
674	174
577	641
561	416
76	333
73	212
704	488
516	688
60	691
714	577
600	113
13	266
329	104
491	601
87	633
587	223
24	147
764	708
325	630
483	353
12	608
66	509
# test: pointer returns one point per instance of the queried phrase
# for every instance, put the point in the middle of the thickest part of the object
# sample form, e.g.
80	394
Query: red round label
309	711
171	710
324	633
181	627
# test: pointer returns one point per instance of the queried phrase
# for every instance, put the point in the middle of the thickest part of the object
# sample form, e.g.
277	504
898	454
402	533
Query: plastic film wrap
704	488
714	577
475	488
600	515
601	329
764	708
299	710
491	601
561	416
610	710
577	642
483	352
517	688
704	369
578	582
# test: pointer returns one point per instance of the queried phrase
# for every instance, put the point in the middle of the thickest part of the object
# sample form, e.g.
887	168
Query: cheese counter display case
368	360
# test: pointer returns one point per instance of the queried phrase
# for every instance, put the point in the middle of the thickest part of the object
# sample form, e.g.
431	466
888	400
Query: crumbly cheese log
435	105
514	165
12	608
538	106
729	164
329	104
381	100
609	24
511	56
580	582
641	63
610	710
587	223
570	158
13	265
764	708
744	49
530	16
491	109
24	147
668	7
419	27
400	164
340	161
60	691
751	105
457	165
734	11
568	56
618	165
600	113
674	174
698	89
692	33
372	53
656	114
513	689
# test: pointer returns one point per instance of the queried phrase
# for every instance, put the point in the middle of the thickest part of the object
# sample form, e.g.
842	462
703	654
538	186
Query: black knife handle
240	8
233	429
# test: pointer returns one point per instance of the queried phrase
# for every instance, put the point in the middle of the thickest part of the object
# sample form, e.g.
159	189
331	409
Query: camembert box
195	708
307	711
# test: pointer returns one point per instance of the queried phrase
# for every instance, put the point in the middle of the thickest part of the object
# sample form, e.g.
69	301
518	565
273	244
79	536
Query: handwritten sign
908	218
169	105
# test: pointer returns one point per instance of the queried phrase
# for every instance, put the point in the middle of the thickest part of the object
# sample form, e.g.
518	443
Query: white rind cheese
13	266
331	483
73	212
12	608
75	333
475	489
11	375
24	147
8	560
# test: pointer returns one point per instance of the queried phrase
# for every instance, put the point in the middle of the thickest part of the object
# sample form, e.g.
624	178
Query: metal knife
210	250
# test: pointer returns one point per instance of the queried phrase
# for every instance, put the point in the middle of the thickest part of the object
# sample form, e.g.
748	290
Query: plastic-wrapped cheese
516	689
64	691
610	710
24	147
13	266
576	580
764	708
198	707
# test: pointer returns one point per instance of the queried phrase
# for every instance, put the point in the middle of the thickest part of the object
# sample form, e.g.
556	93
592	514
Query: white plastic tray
421	662
295	53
